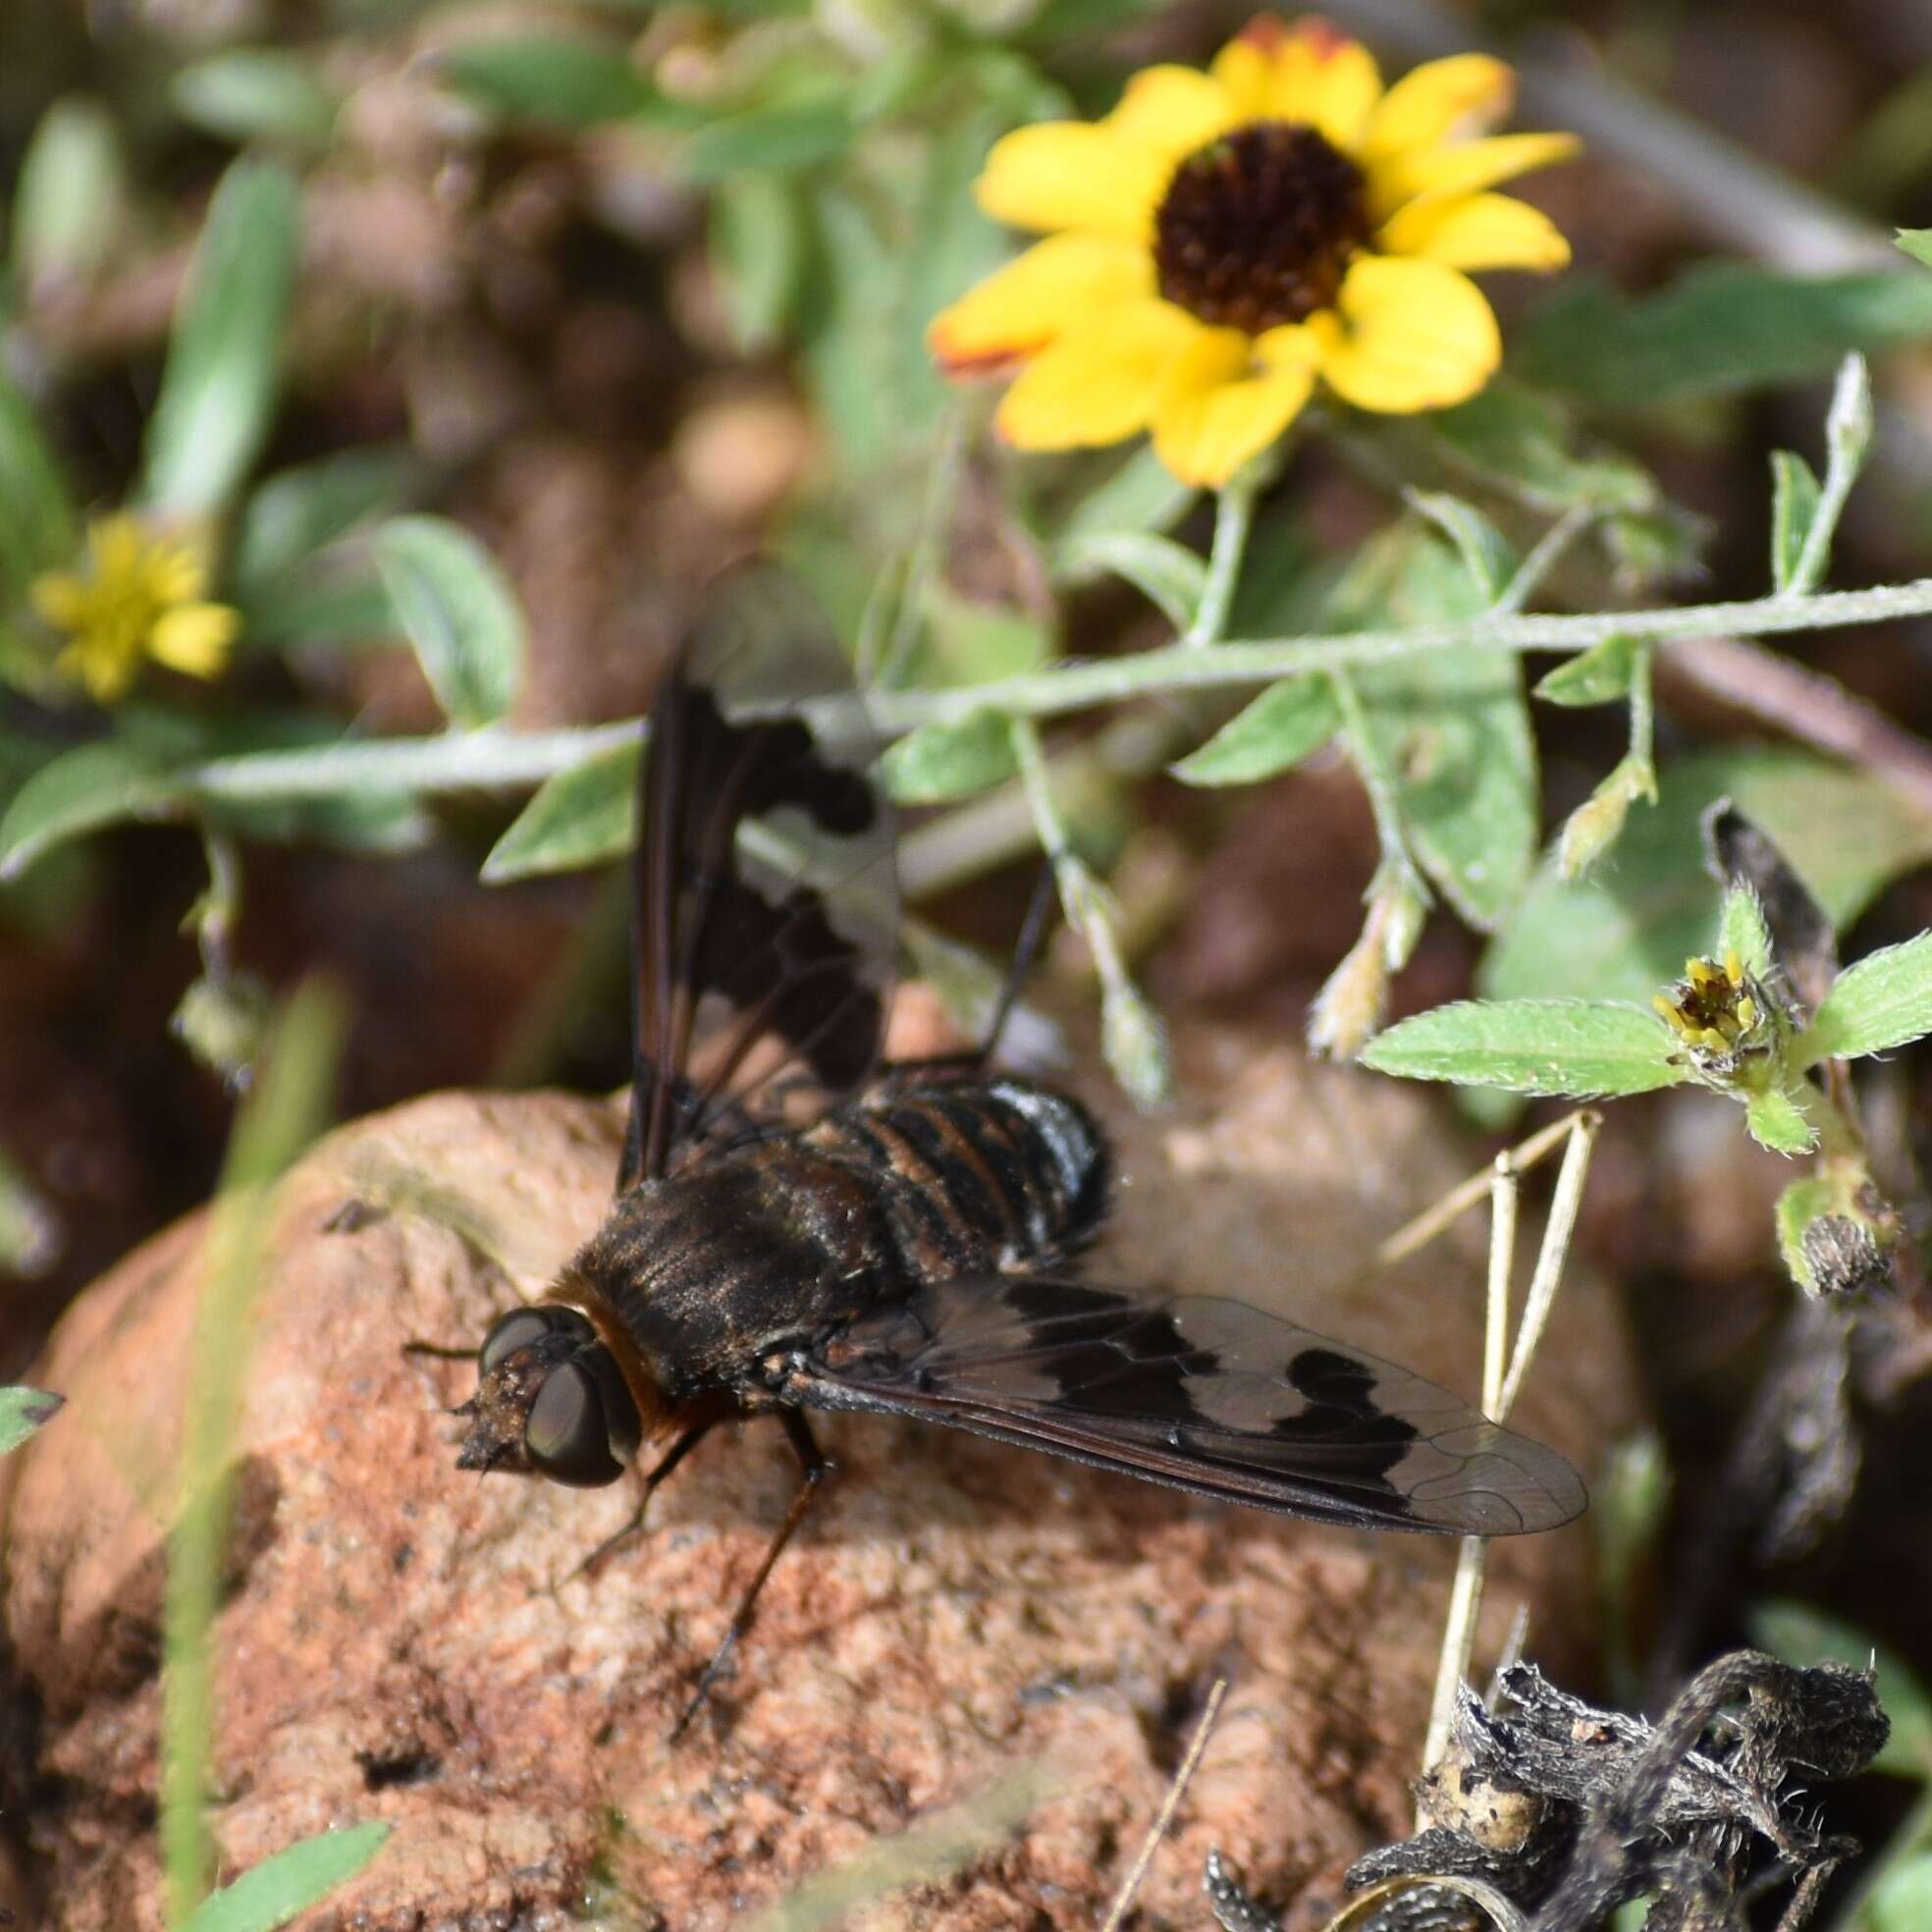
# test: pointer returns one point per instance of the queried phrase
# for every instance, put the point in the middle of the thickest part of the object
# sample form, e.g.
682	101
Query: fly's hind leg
1026	952
813	1469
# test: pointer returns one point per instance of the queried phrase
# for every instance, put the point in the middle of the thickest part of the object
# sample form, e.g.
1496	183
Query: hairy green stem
492	757
1234	516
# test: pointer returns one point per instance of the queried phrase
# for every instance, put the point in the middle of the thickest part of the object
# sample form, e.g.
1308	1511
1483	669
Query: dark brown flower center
1259	227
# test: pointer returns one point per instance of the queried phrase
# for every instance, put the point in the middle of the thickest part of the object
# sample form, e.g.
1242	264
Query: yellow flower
1721	1014
1221	240
141	595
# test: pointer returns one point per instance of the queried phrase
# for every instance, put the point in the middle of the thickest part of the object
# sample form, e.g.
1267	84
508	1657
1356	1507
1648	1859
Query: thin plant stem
1466	1594
1499	1389
1643	709
277	1123
1419	1233
1547	551
1379	783
1124	1899
494	757
1566	1199
1234	516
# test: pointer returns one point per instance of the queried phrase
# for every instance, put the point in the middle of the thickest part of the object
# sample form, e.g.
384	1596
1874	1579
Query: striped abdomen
976	1176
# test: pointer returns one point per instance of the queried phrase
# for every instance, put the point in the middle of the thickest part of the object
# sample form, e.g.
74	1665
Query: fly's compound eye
510	1332
567	1437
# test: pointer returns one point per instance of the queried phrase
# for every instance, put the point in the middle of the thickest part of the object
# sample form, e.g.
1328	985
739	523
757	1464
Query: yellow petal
1412	334
1244	67
115	545
1334	88
1290	346
175	572
1308	72
105	672
1439	101
1171	111
61	598
1462	167
1071	174
1099	383
1019	309
1213	414
195	638
1475	231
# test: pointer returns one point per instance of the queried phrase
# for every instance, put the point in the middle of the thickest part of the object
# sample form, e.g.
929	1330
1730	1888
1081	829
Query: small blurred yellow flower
1222	239
141	595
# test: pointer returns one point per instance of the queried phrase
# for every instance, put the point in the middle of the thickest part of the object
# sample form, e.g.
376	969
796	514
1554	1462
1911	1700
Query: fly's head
550	1401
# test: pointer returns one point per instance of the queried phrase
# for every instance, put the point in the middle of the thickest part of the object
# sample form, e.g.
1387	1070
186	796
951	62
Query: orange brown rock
992	1652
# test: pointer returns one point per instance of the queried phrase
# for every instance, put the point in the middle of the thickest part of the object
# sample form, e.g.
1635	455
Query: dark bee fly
909	1251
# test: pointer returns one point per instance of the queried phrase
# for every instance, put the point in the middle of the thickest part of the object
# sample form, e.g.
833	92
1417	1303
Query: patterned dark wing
765	897
1202	1394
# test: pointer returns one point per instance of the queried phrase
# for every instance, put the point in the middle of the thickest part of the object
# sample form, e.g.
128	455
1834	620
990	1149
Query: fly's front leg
813	1469
668	1462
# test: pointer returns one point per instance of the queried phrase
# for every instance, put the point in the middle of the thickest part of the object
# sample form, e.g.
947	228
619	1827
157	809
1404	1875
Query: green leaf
255	93
1722	328
1168	573
1882	1002
1602	674
1742	928
297	512
1807	1638
1794	493
877	272
783	138
317	606
586	816
940	761
967	642
1624	929
78	792
1517	440
1452	726
1803	515
360	819
459	613
218	390
1279	728
542	77
1487	555
23	1412
1652	548
1573	1046
1776	1122
30	1237
1901	1898
289	1882
758	239
68	207
1916	243
38	526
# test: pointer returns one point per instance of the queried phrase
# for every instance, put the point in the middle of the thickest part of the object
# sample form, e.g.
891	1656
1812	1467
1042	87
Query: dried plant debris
1553	1814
